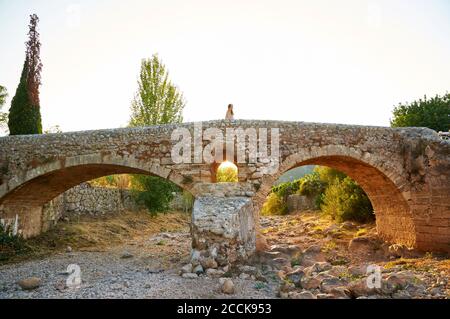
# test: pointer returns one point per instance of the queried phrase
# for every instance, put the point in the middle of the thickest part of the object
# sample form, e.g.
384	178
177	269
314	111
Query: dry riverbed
136	256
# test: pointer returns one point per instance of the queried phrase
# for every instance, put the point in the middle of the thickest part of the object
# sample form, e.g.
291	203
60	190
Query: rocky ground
316	258
307	257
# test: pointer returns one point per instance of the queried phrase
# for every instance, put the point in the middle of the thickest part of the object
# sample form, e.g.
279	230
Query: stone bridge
404	171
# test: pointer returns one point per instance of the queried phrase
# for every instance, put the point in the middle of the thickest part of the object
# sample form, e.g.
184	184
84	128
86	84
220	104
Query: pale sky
317	61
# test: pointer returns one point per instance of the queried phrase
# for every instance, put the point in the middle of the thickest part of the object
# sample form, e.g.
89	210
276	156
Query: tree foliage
274	205
3	115
345	200
24	114
334	193
153	192
157	101
433	113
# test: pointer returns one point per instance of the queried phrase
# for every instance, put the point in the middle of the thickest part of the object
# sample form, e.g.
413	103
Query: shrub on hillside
311	185
274	205
345	200
283	190
328	175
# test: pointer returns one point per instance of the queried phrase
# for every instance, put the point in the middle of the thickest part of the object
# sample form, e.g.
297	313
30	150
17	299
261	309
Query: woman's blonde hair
230	106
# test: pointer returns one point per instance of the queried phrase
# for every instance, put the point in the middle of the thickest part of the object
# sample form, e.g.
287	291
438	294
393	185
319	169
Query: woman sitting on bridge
230	113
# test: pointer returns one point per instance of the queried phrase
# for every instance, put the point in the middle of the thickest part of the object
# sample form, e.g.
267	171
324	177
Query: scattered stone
359	270
261	243
126	255
248	269
198	269
279	262
195	255
68	249
330	283
340	293
360	288
348	225
227	286
286	287
331	229
400	280
244	276
189	275
186	268
338	270
168	235
310	282
208	263
311	255
29	283
325	296
301	295
60	285
402	294
364	244
321	266
214	273
296	275
289	250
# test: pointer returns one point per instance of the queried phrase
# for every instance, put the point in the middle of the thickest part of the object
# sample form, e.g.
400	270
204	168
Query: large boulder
311	255
30	283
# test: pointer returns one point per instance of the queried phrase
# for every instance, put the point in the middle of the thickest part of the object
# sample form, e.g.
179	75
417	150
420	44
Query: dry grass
427	263
98	234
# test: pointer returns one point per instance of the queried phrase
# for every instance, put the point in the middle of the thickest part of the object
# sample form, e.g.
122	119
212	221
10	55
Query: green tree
154	192
345	200
3	115
3	96
328	174
25	115
433	113
157	101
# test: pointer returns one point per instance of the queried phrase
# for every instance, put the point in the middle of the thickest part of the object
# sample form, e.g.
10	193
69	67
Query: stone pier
223	223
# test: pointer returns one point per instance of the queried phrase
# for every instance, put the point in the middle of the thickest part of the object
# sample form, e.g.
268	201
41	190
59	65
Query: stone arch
40	184
382	182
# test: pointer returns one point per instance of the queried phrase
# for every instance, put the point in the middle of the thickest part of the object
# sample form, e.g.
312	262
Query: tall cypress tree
24	114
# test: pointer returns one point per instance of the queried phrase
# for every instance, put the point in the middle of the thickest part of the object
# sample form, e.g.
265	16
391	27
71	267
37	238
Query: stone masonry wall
298	202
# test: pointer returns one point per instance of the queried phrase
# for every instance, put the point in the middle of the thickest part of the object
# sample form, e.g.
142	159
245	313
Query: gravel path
109	275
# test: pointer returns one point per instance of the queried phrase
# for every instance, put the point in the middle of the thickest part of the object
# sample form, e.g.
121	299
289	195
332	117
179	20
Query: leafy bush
274	205
328	174
334	193
433	113
188	201
10	244
311	185
154	192
283	190
345	200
